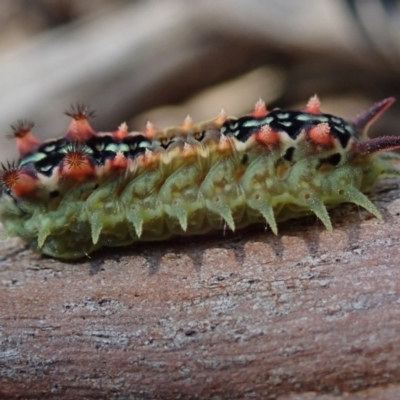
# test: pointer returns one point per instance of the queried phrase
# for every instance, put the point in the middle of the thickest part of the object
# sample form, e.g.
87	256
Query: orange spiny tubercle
76	163
321	134
21	128
313	105
121	132
268	136
26	141
120	162
187	123
260	110
9	174
80	129
80	111
221	118
21	182
150	130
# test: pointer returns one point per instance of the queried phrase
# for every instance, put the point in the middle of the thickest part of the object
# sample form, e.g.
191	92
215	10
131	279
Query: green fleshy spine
194	199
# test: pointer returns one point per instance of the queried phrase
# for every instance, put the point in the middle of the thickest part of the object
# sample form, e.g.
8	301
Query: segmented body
70	196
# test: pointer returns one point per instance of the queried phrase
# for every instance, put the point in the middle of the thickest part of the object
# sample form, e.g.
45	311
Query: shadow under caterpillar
68	197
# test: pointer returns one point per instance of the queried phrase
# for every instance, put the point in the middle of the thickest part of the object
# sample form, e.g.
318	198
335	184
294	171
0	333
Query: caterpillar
70	196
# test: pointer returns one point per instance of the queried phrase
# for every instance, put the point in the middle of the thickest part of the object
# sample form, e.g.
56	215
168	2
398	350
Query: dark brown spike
80	111
377	145
20	129
363	121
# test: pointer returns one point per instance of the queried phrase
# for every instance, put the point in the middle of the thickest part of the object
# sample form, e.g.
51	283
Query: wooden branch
248	314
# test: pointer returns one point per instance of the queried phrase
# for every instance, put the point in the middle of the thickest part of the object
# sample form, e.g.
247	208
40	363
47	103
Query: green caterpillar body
70	196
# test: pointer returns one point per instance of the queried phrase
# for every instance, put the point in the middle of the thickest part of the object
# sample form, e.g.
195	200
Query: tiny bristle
21	128
80	111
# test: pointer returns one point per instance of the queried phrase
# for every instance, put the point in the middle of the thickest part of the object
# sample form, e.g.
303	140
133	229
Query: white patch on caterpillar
257	123
283	116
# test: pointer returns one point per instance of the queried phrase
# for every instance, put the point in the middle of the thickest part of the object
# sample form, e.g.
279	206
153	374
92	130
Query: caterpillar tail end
378	145
363	121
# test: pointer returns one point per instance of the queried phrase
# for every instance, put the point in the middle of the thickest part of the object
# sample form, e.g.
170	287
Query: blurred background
139	60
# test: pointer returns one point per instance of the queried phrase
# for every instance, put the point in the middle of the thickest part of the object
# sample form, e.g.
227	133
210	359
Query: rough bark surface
241	316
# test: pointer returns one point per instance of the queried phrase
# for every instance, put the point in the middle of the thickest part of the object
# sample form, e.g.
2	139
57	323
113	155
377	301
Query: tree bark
236	316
